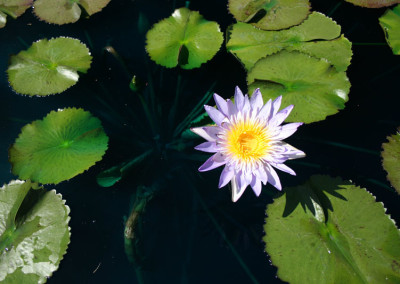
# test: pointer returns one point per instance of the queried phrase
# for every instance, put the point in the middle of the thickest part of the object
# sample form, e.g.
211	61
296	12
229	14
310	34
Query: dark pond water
183	229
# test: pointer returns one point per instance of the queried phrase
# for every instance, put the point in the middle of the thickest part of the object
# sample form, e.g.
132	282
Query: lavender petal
212	163
226	176
221	104
256	185
280	116
239	99
246	106
207	132
284	168
256	100
273	177
237	191
209	147
276	104
287	130
215	114
265	111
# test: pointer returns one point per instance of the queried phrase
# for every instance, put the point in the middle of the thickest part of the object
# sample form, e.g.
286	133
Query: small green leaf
185	39
318	36
48	66
13	8
270	14
355	241
34	232
66	11
312	85
390	23
62	145
373	3
391	159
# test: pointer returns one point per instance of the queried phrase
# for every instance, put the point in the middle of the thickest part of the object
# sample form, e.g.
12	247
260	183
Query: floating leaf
34	232
185	39
391	159
330	231
62	145
270	14
48	66
66	11
318	36
311	84
373	3
13	8
390	23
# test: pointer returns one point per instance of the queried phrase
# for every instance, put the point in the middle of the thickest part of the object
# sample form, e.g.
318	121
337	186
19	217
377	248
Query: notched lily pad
66	11
48	66
13	8
390	23
332	232
34	232
318	36
185	39
391	159
270	14
62	145
373	3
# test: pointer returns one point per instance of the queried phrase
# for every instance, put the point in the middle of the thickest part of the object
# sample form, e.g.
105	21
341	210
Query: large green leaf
391	159
311	84
330	231
66	11
390	23
270	14
34	232
318	36
48	66
13	8
185	39
62	145
373	3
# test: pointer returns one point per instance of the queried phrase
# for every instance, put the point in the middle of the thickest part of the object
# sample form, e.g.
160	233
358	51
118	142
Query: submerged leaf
13	8
62	145
185	39
34	232
391	159
66	11
353	241
48	66
270	14
318	36
373	3
311	84
390	23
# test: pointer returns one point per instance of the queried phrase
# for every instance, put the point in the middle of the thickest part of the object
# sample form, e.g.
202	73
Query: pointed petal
246	106
256	100
221	104
265	111
209	147
215	114
239	99
226	176
261	175
237	191
280	116
213	162
231	107
207	132
287	130
289	151
276	104
273	177
284	168
256	185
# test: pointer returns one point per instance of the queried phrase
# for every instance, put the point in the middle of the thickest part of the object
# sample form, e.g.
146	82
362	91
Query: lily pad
66	11
331	231
390	23
48	66
373	3
318	36
34	232
311	84
270	14
391	159
62	145
185	39
13	8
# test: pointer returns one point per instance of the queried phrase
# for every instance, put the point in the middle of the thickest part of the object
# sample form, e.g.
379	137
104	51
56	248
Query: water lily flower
247	139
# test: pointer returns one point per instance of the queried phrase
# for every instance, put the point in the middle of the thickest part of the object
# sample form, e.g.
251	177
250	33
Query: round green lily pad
270	14
373	3
13	8
62	145
391	159
66	11
331	231
34	232
312	85
185	39
390	23
48	66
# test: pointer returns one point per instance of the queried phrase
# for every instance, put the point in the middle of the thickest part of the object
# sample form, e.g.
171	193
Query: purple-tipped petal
276	104
209	147
215	114
265	111
280	116
273	177
246	106
239	99
261	175
256	101
237	191
213	162
226	176
284	168
221	104
231	107
287	130
256	185
207	132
